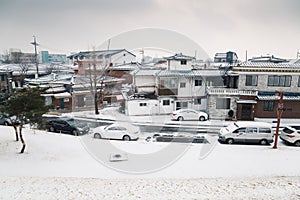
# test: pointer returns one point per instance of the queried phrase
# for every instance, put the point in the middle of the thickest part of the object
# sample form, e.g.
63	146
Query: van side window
252	130
265	130
240	130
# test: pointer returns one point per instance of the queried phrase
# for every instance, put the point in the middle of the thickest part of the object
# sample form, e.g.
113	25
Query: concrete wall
215	113
148	107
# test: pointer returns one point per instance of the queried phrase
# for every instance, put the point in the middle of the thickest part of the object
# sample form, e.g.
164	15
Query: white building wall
122	58
138	107
145	83
176	65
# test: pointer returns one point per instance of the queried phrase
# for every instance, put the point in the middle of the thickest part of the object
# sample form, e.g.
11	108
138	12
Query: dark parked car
67	125
5	121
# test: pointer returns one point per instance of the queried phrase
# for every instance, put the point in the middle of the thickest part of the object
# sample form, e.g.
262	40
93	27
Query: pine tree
25	104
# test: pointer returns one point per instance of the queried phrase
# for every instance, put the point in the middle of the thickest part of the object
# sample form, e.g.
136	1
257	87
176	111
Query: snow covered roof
126	67
51	78
62	95
265	66
270	59
190	73
56	89
179	56
85	54
147	72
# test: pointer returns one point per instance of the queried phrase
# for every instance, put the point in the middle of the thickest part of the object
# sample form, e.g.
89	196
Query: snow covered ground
58	166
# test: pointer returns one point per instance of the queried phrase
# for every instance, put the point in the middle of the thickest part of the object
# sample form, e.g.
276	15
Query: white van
247	132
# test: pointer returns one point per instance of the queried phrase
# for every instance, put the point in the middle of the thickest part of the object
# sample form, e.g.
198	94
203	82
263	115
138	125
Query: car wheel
75	132
229	141
202	118
180	118
297	143
52	129
126	138
97	136
263	142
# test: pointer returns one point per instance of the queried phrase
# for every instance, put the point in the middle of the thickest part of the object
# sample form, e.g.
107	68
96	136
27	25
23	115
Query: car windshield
287	130
232	127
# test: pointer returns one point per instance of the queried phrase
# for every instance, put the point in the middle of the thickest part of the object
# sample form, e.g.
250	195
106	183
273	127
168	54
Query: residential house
172	90
228	57
266	80
179	62
100	60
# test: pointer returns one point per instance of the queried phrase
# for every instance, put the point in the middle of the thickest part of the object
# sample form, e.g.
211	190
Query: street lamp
279	112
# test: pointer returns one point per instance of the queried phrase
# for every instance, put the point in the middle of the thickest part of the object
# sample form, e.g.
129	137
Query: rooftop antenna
36	59
298	54
246	55
108	44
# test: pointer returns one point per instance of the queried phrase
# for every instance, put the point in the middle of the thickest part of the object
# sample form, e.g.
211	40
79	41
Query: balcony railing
231	91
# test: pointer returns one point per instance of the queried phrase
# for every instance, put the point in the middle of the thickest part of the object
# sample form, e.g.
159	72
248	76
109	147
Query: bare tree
23	72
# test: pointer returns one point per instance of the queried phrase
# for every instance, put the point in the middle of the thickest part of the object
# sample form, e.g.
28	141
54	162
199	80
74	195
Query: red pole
279	112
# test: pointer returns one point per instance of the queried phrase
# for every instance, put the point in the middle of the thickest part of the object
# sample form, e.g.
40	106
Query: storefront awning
273	97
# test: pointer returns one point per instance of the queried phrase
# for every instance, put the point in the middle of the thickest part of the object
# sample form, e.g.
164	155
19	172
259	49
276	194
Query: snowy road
58	166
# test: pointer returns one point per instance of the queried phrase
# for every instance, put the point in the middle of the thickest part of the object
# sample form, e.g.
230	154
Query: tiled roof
267	65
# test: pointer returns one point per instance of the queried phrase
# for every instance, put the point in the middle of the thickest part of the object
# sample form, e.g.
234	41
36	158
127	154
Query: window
268	105
240	130
197	101
170	83
181	105
2	78
264	130
252	130
166	102
283	81
223	103
198	82
143	104
182	85
299	81
251	80
183	62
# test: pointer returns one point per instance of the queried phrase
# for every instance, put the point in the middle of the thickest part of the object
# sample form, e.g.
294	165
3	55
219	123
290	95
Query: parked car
291	135
67	125
189	114
5	121
122	131
247	132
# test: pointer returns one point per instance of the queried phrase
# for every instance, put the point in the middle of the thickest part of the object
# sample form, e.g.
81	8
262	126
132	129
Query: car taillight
290	136
174	115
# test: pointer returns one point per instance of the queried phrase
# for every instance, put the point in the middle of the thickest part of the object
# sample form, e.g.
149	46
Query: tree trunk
16	132
96	104
22	140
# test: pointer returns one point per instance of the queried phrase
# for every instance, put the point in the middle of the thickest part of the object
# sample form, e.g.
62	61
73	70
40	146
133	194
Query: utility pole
36	59
279	112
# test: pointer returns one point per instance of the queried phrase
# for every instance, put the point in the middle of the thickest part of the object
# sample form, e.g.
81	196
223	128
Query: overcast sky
62	26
